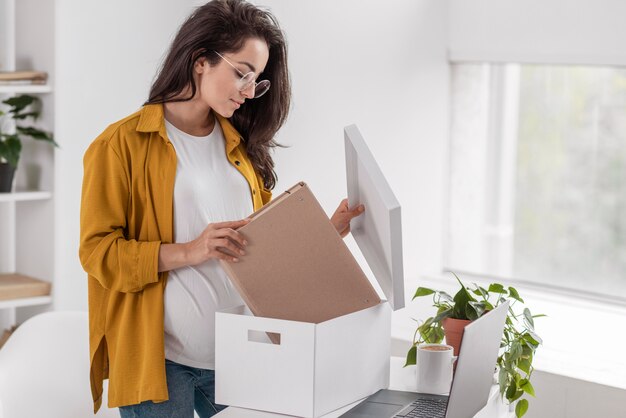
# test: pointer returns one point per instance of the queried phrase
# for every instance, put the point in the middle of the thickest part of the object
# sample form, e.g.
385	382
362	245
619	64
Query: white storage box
315	369
318	368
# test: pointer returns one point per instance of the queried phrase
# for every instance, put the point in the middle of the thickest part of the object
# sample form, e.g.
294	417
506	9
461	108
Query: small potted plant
20	108
519	340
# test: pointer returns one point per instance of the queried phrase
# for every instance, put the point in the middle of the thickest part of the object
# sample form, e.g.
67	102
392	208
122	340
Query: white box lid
378	231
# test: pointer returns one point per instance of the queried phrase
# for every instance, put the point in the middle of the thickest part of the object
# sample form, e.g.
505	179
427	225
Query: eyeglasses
247	80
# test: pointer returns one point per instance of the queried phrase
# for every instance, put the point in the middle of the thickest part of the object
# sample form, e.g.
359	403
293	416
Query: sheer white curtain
538	175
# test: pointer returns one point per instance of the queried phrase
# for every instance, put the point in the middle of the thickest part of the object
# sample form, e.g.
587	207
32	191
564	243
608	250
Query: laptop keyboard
424	408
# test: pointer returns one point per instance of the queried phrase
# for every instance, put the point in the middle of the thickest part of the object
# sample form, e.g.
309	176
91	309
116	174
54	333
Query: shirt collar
152	119
231	136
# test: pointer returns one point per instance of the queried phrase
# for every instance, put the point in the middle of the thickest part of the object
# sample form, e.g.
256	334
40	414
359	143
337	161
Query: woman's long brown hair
224	26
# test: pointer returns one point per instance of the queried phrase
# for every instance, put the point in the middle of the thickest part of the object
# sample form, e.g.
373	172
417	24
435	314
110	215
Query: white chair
44	369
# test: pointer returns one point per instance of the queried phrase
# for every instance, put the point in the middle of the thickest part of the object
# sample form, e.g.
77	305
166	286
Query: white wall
106	56
383	68
555	31
564	397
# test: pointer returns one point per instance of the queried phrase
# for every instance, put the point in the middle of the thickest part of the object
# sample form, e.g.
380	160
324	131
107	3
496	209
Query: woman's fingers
227	244
343	215
231	224
223	256
236	237
355	212
222	229
344	231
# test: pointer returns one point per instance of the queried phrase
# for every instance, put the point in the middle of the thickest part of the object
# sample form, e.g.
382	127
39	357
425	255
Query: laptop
470	387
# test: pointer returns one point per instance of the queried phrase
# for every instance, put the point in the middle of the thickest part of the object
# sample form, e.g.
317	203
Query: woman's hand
342	216
218	240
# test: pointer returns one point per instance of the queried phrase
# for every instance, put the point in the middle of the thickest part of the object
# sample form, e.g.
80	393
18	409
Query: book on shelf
23	77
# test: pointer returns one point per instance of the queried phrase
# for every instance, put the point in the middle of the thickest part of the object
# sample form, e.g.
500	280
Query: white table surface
400	378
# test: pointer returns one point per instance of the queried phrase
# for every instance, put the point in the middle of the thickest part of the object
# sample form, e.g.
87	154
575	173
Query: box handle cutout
263	337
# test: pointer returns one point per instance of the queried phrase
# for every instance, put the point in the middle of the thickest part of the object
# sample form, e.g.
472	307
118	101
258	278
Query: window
538	175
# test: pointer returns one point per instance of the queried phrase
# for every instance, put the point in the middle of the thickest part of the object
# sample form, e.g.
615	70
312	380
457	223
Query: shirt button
237	162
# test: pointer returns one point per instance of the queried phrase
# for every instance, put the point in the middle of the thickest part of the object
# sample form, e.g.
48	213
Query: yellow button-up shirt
126	213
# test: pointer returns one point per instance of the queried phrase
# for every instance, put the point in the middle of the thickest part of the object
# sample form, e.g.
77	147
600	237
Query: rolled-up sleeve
118	263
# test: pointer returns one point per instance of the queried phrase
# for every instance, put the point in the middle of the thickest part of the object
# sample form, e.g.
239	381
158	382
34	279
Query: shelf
24	196
34	301
25	88
19	290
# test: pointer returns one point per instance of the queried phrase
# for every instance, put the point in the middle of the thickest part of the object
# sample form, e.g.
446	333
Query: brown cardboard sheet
296	266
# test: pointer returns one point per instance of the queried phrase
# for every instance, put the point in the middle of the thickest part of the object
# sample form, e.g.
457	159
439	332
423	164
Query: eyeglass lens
260	88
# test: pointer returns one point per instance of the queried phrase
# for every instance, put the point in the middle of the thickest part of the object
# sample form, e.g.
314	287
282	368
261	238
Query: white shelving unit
24	196
25	89
27	214
9	202
17	303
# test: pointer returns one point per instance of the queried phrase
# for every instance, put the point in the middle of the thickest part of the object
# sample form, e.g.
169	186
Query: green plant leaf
530	341
515	352
479	291
470	312
463	287
521	408
438	334
423	291
479	307
511	390
527	351
411	356
484	293
514	294
527	387
524	365
528	325
539	315
19	103
537	339
10	148
36	134
445	313
22	116
496	288
461	300
529	318
432	332
502	380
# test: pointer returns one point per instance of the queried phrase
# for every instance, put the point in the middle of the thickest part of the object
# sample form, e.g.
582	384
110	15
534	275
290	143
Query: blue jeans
189	388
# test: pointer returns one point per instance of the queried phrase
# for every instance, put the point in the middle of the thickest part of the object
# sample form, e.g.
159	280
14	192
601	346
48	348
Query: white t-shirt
208	189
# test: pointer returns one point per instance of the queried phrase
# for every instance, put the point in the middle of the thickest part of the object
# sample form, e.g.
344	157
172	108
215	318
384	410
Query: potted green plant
20	108
519	340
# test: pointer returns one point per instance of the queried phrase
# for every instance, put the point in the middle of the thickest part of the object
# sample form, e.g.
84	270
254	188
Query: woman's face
219	86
